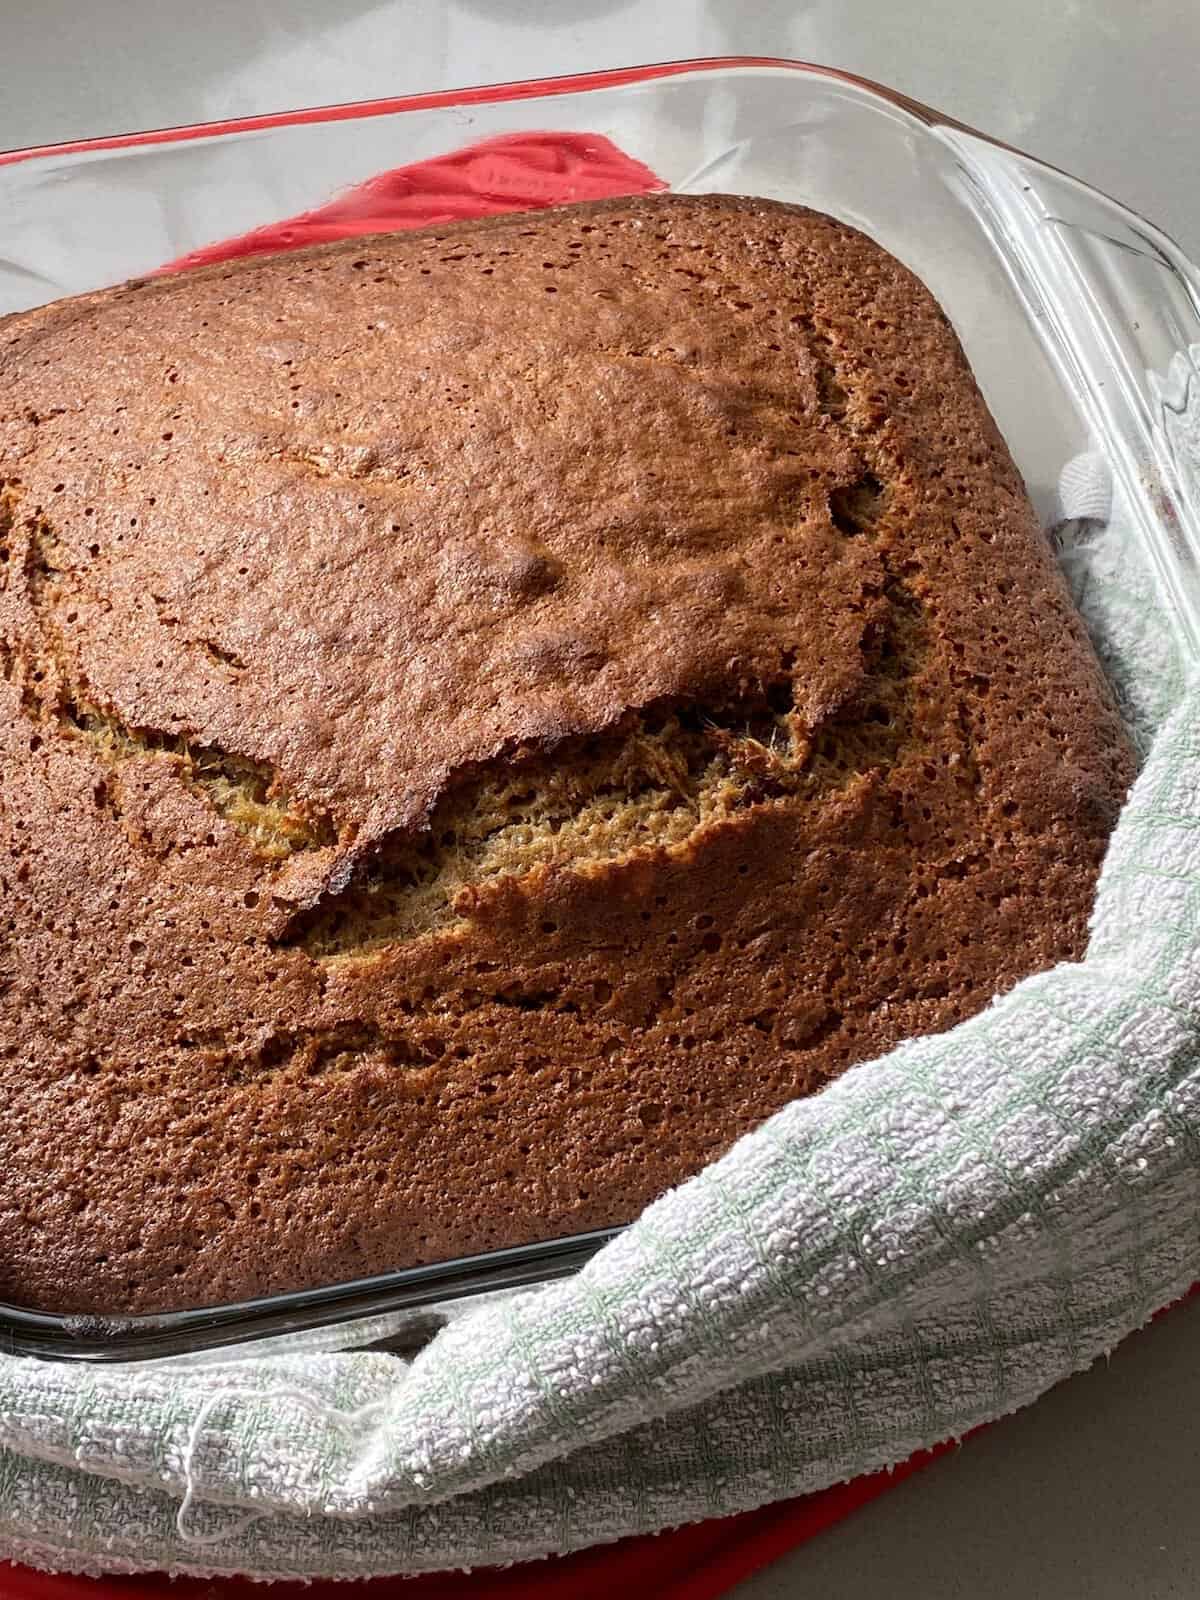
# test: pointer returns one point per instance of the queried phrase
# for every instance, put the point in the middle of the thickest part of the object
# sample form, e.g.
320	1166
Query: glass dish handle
1117	305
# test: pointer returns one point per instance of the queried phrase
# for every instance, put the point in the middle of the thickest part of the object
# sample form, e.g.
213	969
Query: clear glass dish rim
24	1330
497	94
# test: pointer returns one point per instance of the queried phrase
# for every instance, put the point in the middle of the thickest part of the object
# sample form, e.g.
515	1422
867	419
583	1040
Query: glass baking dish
1081	321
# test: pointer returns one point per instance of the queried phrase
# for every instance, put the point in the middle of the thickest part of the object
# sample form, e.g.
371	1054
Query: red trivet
515	172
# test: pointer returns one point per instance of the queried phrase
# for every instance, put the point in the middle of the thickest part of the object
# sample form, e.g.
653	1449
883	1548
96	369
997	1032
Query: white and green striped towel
930	1243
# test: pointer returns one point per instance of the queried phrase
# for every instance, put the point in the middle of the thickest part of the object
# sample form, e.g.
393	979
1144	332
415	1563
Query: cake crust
489	716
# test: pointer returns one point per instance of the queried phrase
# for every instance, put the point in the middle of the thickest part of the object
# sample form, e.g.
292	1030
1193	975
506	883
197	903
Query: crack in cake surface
653	784
247	793
244	792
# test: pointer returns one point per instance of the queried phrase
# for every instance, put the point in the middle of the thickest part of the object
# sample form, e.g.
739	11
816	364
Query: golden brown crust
489	717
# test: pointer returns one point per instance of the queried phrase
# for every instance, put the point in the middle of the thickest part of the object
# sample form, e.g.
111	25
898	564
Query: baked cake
489	716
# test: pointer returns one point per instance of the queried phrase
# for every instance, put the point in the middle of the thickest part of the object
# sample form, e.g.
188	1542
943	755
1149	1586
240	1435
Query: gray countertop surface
1088	1495
1091	1493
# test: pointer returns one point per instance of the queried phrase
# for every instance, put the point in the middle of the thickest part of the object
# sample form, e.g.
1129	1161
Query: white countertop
1091	1492
1107	89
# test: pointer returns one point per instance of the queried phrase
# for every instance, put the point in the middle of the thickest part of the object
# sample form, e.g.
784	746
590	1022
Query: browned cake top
489	716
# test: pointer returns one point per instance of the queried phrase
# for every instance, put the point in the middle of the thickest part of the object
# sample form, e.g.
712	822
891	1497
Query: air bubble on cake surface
832	398
855	508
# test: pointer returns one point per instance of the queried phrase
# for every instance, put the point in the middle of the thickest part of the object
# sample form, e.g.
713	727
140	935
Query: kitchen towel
699	1561
932	1242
